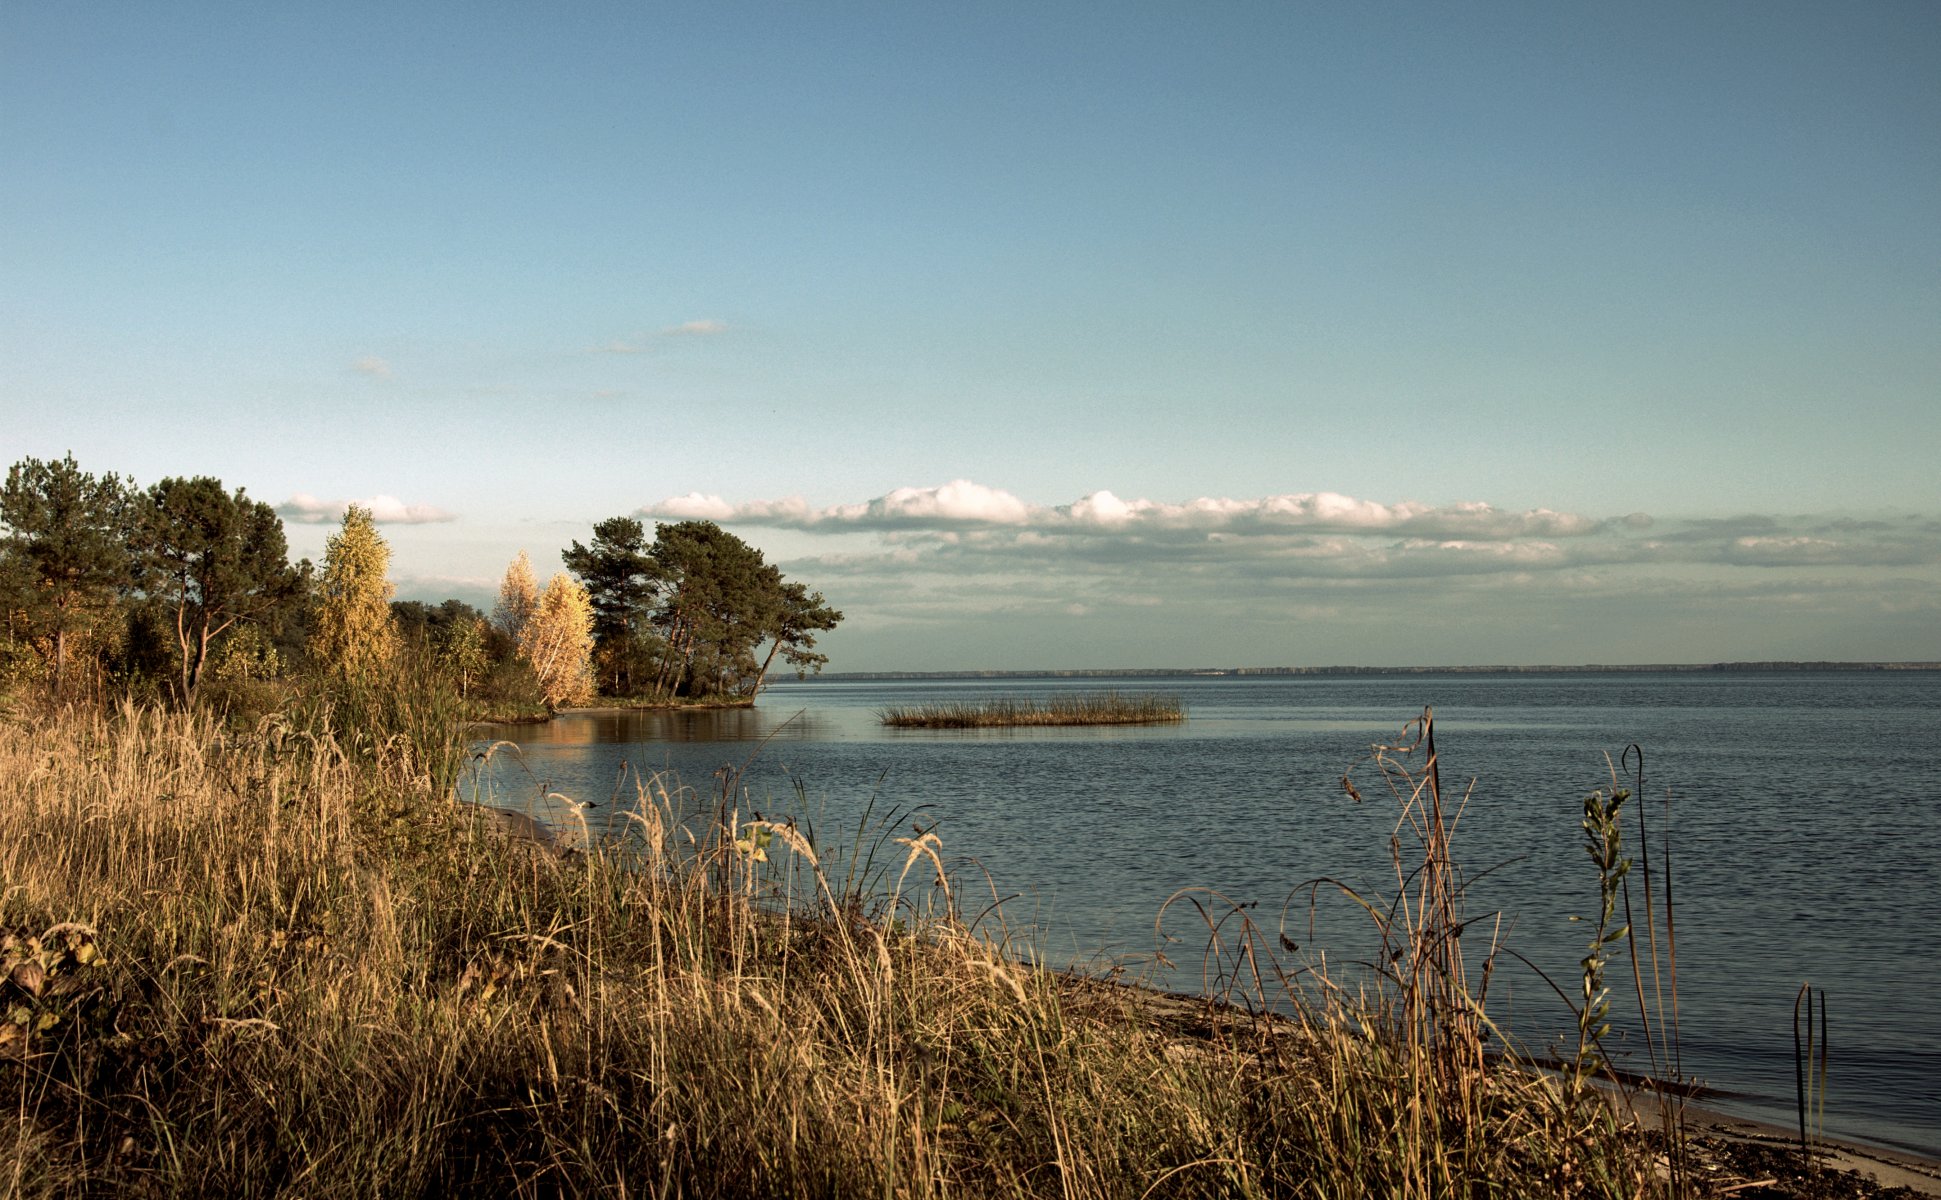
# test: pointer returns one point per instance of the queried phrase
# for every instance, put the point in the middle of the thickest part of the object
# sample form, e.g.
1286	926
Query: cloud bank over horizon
1317	533
1321	577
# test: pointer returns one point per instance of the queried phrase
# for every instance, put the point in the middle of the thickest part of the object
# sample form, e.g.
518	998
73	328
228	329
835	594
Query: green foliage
800	615
419	623
465	649
1604	843
248	654
149	657
718	596
64	558
211	560
620	577
688	614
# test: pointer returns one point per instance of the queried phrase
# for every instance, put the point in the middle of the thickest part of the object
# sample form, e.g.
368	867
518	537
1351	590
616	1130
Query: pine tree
211	561
64	546
354	632
619	575
518	599
558	642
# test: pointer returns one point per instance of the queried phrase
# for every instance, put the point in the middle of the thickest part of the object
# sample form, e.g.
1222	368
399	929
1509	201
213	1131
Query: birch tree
518	599
558	641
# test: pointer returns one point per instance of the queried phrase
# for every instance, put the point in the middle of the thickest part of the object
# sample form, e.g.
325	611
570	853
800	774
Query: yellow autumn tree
558	642
518	599
354	631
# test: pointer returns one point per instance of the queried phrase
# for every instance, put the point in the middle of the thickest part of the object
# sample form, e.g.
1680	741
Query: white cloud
966	505
964	574
305	509
922	553
372	366
693	507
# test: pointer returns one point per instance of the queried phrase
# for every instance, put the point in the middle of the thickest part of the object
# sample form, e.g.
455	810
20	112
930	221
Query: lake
1805	840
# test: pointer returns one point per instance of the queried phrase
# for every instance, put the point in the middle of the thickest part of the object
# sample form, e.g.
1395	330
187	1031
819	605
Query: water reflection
615	727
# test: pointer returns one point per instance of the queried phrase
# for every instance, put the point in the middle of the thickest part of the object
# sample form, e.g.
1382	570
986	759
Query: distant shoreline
1218	672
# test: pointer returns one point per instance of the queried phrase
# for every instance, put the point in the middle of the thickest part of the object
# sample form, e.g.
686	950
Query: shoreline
597	710
1720	1141
1889	1166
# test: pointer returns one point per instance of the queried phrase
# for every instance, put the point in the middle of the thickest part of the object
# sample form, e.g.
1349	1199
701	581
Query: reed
1092	708
280	961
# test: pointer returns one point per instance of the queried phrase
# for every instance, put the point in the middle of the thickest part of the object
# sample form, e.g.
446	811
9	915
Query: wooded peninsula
185	588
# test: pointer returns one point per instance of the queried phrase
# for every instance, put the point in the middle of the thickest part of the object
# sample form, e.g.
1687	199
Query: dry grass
1092	708
281	962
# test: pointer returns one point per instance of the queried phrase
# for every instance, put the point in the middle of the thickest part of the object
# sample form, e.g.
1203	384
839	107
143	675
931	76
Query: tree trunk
762	674
182	647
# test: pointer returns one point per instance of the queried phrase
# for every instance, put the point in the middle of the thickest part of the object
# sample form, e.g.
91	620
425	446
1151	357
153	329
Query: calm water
1806	842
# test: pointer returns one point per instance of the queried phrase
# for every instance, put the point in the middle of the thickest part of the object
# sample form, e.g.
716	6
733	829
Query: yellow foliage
518	599
558	641
354	632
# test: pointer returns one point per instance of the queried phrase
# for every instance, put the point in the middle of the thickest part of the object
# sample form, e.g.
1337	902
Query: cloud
478	592
305	509
923	553
372	366
966	574
965	505
641	343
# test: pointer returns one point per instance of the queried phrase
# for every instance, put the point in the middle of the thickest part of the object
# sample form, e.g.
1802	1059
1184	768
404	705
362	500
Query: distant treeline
1214	672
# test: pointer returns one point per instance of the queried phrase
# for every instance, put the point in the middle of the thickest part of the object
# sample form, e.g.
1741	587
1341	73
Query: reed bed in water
282	961
1092	708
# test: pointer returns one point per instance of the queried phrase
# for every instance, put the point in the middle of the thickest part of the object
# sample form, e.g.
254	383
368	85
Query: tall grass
250	982
1091	708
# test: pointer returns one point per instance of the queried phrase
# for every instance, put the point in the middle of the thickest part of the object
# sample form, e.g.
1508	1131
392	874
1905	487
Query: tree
354	632
66	550
211	560
718	597
795	621
419	623
464	647
518	599
558	642
620	577
455	635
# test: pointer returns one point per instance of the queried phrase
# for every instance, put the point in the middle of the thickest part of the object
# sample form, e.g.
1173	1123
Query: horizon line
1345	669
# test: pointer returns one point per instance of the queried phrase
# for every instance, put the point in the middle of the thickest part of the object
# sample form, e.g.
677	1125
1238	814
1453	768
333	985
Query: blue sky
1037	334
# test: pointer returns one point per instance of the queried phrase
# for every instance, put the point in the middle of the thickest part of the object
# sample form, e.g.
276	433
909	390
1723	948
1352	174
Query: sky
1033	335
